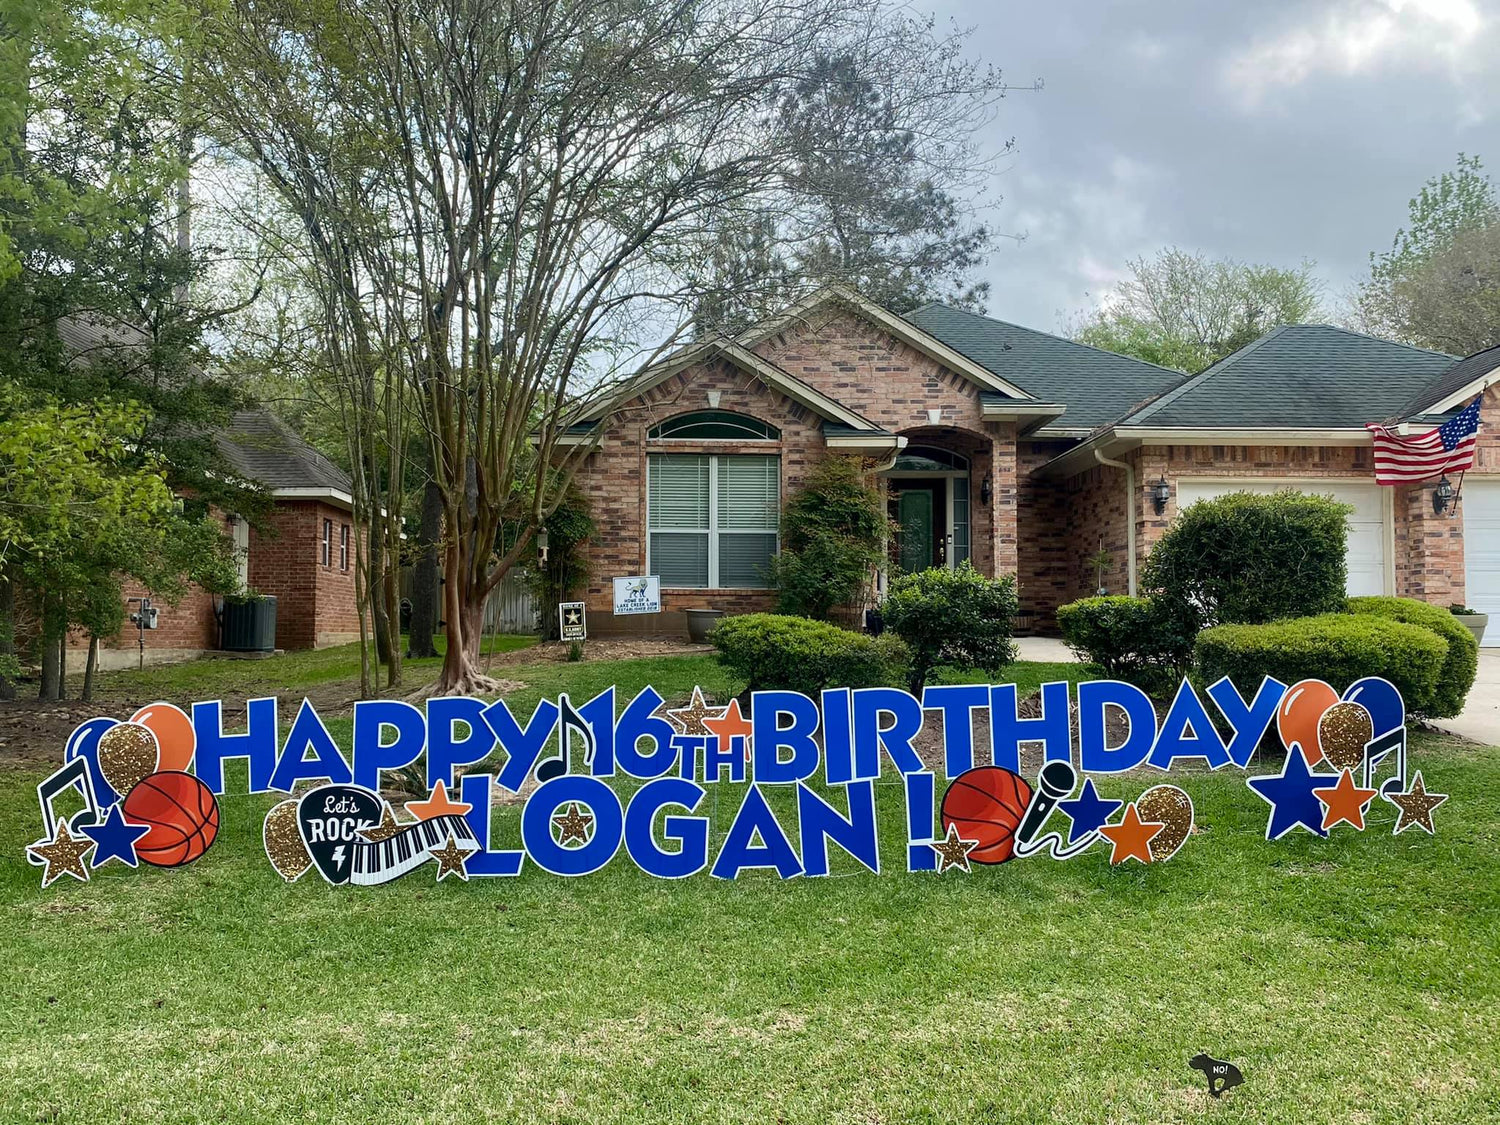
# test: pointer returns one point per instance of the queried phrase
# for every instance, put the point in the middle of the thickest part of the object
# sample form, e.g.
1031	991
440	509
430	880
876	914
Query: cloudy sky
1270	131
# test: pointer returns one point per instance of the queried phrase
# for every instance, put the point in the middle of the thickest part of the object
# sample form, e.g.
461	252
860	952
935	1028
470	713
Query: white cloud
1360	36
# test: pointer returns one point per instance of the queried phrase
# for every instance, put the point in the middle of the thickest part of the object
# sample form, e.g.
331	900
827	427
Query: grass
284	673
1352	979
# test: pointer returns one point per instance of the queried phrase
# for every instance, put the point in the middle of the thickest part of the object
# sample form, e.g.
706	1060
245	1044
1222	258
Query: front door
915	515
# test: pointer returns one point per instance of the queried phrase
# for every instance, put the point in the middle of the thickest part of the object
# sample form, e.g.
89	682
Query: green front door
914	513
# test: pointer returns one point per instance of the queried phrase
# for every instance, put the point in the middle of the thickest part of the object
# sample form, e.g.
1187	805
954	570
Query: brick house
1020	451
304	556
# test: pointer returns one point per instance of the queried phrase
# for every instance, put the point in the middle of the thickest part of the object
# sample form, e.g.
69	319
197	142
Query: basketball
986	804
181	814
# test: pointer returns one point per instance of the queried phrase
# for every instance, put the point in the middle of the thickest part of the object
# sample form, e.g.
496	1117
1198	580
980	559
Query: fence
511	608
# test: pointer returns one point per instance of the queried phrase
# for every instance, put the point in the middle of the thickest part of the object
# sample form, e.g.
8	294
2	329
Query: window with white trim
343	546
325	550
712	519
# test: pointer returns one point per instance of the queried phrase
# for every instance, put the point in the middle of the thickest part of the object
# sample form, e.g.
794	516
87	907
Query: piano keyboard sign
352	836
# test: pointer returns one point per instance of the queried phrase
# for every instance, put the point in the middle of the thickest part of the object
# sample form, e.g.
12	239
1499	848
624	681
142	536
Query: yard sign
149	786
641	594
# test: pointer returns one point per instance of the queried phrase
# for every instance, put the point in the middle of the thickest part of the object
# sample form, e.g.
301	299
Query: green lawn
1355	979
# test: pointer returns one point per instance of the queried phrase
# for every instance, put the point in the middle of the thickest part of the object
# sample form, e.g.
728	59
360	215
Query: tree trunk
424	587
87	695
376	588
463	612
51	686
7	634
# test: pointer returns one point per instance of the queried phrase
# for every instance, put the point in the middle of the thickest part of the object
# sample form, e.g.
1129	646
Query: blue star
116	839
1088	811
1290	795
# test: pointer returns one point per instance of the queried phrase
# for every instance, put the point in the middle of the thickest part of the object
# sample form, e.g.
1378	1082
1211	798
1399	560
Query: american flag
1447	449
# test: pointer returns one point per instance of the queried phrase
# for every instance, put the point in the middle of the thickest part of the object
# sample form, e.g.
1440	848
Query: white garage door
1480	504
1368	536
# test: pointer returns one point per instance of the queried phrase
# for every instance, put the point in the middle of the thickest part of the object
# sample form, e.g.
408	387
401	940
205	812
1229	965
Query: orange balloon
174	733
1297	717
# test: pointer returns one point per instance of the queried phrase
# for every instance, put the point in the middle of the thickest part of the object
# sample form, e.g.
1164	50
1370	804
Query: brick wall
315	604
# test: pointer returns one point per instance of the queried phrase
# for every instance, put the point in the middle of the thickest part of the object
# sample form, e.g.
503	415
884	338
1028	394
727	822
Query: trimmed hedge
1251	558
956	616
1462	664
771	651
1138	640
1338	648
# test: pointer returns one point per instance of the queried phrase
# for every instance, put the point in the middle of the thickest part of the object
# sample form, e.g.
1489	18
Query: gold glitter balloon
284	846
127	753
1169	806
1342	733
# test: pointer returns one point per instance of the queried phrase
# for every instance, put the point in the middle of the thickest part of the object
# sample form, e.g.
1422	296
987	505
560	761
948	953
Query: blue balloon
1381	699
84	743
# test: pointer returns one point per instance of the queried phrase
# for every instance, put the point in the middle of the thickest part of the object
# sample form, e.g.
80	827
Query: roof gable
904	329
1297	376
1460	382
1096	386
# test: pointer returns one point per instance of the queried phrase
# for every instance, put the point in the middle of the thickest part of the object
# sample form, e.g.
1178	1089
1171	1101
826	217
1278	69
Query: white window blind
712	519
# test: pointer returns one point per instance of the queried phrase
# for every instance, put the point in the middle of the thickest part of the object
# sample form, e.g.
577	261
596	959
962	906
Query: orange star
730	724
439	804
1345	802
1131	838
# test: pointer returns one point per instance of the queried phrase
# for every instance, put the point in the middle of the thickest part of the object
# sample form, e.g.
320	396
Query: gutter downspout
1129	514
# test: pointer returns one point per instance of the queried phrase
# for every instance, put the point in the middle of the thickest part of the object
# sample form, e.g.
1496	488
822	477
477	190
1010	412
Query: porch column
1004	497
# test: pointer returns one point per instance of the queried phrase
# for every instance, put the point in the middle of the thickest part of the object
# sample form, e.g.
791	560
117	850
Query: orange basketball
986	804
174	733
181	814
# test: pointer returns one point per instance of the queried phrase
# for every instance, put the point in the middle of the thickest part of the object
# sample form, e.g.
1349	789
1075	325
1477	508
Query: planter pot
249	626
700	621
1474	623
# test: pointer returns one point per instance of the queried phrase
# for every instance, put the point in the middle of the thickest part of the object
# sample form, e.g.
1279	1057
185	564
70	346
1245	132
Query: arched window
713	425
929	459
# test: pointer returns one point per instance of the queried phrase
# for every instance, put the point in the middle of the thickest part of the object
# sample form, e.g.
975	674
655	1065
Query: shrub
1247	558
832	534
1458	673
1144	641
567	568
952	617
770	651
1336	647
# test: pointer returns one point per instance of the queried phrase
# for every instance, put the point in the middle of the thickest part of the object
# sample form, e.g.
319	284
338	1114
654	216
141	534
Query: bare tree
503	198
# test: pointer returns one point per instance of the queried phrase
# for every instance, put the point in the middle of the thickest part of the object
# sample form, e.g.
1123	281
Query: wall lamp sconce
541	544
1161	492
984	491
1442	495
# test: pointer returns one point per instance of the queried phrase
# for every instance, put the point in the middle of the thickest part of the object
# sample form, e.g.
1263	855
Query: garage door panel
1368	538
1480	507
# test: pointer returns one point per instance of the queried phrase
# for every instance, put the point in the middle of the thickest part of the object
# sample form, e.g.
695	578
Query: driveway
1480	719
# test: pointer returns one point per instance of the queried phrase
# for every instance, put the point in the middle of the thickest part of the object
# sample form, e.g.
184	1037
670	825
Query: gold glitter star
451	859
574	825
63	855
389	826
1416	806
953	852
689	719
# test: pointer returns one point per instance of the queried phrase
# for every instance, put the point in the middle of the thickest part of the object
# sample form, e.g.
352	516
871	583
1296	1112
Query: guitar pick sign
330	818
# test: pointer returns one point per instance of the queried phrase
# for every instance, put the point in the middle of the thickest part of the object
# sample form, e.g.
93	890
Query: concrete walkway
1480	718
1047	649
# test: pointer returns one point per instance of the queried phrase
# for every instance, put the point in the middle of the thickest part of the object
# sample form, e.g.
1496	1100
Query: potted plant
1472	620
699	622
247	622
1101	560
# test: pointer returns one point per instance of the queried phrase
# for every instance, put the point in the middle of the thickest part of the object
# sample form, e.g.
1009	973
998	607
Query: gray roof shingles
1096	386
1301	376
1460	375
261	447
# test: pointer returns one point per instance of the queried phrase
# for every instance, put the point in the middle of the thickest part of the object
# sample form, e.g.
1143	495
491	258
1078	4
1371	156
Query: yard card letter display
791	780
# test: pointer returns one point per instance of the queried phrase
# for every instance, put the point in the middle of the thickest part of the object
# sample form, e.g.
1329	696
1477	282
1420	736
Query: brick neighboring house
1021	451
305	557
